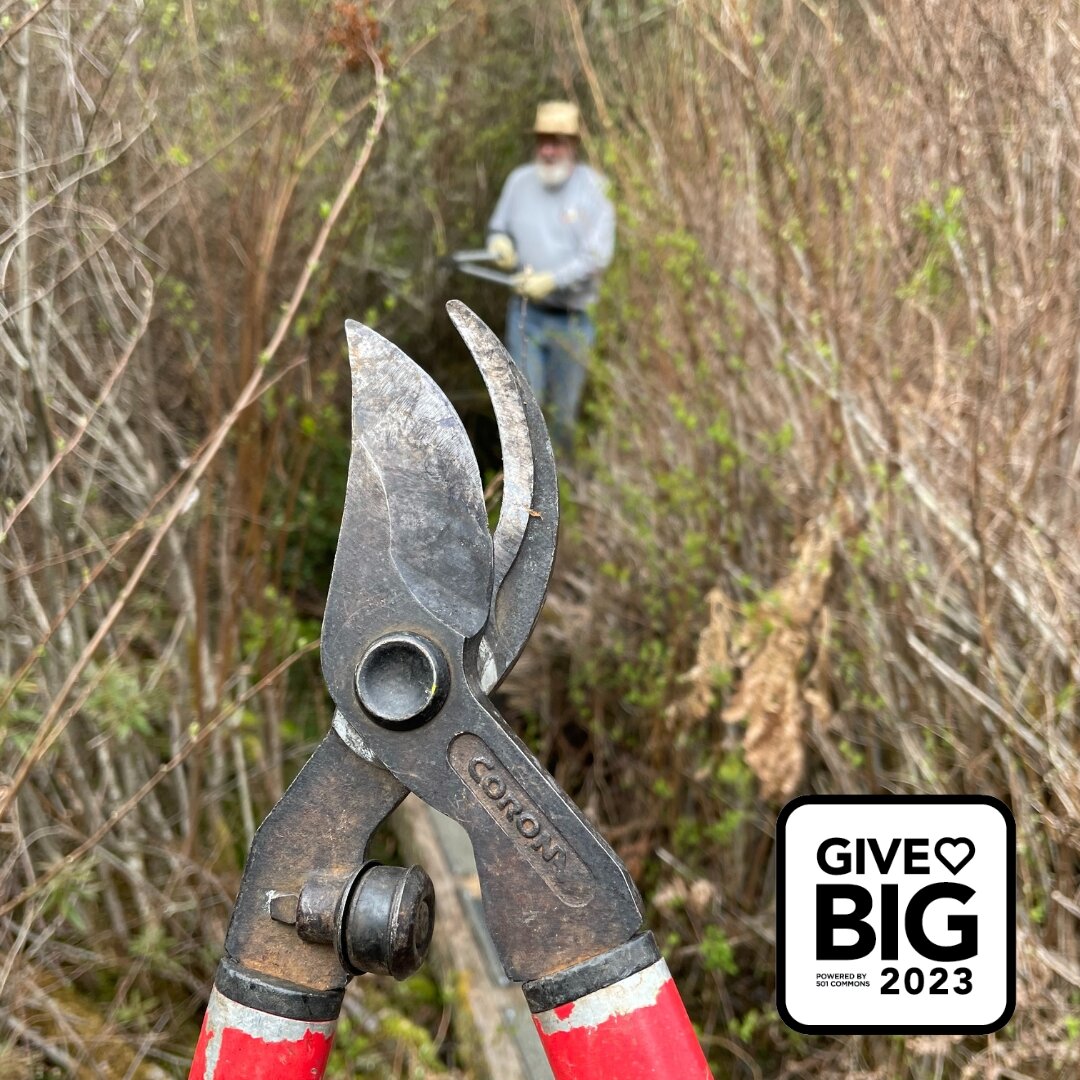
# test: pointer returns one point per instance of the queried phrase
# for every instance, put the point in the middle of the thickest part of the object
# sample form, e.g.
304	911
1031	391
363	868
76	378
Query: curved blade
418	449
526	534
497	370
516	606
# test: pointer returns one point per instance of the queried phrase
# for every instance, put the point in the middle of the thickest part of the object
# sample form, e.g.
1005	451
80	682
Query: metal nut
389	921
402	680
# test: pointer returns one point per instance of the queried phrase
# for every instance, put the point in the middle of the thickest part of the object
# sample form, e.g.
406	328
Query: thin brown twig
72	443
213	445
25	21
196	741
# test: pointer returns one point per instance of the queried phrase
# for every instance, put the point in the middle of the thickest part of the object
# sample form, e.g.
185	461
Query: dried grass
826	531
713	659
862	216
771	697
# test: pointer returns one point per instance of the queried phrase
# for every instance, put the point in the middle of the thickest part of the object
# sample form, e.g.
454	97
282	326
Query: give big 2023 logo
895	914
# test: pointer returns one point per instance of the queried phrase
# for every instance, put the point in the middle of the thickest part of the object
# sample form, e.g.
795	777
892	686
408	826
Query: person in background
555	225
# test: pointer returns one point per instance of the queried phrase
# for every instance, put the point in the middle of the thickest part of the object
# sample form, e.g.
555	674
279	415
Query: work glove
534	285
501	249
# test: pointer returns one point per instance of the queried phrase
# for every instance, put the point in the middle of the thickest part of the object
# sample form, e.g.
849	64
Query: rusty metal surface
322	824
420	586
553	891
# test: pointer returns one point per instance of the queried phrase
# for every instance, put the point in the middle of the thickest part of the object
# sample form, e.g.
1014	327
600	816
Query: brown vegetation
838	424
823	532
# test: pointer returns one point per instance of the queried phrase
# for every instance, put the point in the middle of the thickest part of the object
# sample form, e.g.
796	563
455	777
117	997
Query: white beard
554	175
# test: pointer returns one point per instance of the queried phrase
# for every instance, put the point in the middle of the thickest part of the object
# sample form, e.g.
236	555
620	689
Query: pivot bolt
389	921
402	680
378	918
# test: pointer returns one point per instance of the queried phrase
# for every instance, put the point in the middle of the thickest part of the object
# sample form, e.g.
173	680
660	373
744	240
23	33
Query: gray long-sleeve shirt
568	230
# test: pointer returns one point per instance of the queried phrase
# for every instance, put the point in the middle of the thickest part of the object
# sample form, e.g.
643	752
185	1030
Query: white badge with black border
895	914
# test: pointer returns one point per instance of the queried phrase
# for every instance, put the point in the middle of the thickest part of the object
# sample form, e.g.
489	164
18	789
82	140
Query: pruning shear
427	611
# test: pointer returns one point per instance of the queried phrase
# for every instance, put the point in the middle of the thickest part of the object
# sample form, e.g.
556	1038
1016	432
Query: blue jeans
552	349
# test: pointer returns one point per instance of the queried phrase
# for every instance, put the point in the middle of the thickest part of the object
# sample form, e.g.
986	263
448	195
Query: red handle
241	1043
635	1029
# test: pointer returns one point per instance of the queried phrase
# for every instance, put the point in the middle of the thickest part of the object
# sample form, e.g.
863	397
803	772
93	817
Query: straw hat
557	118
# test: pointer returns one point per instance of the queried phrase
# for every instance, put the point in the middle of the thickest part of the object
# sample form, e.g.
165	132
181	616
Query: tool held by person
426	613
472	261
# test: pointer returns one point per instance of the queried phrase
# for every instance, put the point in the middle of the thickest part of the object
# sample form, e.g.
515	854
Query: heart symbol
952	843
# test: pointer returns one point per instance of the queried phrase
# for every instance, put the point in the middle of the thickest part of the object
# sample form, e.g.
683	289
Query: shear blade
497	370
525	536
416	443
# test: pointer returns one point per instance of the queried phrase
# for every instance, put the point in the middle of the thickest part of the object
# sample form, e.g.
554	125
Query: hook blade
527	531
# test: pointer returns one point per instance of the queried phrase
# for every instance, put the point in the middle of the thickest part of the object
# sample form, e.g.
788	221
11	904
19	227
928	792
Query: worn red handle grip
241	1043
635	1029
